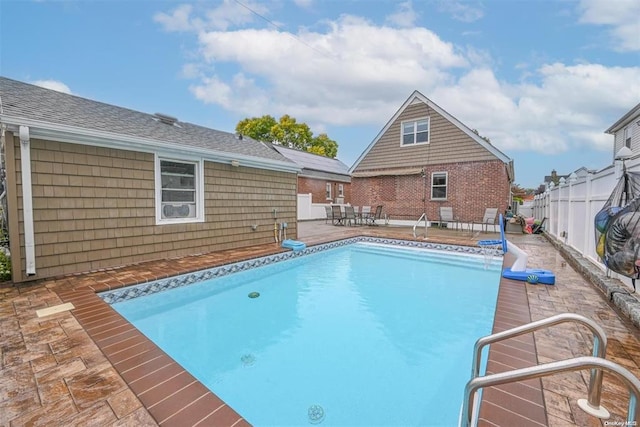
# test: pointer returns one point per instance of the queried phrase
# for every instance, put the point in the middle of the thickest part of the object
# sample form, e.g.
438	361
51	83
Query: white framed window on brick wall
327	189
415	132
439	182
340	190
179	187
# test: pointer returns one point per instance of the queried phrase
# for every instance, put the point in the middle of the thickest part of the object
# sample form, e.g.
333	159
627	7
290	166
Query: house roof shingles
22	100
315	165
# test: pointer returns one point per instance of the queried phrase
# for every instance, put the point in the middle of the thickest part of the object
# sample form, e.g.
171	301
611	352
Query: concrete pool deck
72	368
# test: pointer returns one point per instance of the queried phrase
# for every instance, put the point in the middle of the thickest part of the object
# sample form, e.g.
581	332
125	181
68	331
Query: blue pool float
545	277
294	245
529	275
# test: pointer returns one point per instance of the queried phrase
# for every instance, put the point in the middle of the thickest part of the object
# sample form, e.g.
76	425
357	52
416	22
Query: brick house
326	179
425	158
91	185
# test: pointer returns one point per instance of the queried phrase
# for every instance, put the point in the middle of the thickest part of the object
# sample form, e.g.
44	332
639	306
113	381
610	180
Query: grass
5	267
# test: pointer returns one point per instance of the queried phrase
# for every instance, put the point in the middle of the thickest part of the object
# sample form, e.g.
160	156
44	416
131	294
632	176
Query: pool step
431	255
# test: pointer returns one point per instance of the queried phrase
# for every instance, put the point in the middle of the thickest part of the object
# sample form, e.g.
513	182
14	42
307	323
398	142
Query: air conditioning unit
176	210
339	200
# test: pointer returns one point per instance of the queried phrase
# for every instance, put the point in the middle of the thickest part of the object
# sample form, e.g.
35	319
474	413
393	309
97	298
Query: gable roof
554	176
417	96
59	116
624	120
315	165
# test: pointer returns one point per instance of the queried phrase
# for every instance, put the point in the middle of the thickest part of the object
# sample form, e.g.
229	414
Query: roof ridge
50	109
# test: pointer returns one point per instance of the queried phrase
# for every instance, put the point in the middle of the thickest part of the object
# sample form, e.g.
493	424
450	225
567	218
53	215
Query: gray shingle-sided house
91	185
425	158
326	179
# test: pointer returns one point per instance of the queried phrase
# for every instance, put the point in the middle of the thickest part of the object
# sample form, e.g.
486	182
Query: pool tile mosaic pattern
88	367
129	292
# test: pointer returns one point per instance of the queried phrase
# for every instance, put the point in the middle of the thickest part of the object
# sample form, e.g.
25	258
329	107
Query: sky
542	79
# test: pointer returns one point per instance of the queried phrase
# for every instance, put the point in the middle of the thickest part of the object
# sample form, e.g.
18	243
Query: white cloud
567	110
461	11
214	91
359	62
623	16
53	85
191	70
229	13
353	72
405	16
305	4
178	20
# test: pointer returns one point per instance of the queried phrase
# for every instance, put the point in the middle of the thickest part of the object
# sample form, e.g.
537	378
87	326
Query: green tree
288	132
292	134
259	128
324	146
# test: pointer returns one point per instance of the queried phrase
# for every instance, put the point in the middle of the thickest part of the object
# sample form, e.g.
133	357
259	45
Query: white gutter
27	201
77	135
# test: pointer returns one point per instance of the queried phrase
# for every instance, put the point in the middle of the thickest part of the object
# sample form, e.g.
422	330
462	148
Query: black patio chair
538	228
336	214
371	220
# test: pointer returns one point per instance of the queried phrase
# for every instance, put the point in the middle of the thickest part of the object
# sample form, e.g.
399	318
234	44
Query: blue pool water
360	335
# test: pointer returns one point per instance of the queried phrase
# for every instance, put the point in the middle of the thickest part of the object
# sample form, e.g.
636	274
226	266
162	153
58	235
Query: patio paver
68	369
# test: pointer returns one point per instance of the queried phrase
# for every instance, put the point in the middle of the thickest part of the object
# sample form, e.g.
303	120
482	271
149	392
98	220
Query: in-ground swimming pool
362	334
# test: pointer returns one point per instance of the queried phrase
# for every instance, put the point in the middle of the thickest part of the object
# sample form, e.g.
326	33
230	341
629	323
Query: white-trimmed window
439	182
340	190
327	189
415	132
627	136
179	190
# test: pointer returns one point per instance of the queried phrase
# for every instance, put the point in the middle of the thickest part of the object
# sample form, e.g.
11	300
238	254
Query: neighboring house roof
69	118
583	171
554	176
417	96
315	165
624	120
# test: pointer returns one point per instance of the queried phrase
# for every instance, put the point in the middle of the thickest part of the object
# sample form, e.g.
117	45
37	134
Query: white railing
571	206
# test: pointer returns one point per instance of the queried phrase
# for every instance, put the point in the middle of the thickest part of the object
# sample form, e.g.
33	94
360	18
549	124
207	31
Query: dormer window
415	132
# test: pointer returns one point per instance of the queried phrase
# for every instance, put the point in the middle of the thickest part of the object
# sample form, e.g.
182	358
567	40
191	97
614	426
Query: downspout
27	201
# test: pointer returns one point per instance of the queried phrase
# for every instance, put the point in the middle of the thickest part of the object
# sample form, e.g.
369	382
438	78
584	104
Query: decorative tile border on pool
130	292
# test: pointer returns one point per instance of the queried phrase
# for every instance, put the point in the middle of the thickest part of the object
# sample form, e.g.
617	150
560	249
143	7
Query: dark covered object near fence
617	228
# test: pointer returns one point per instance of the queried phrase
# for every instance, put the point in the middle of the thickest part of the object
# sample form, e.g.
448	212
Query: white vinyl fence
308	210
571	206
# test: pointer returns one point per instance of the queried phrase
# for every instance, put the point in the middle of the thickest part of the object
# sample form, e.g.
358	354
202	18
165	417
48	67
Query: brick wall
95	207
472	187
317	188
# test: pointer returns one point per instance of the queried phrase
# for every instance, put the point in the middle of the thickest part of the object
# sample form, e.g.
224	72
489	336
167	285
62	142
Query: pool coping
148	288
174	397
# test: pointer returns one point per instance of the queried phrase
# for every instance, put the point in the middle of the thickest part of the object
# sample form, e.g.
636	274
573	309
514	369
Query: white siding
634	129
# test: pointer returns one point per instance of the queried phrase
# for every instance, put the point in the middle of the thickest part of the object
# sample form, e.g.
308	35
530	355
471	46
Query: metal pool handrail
599	350
424	215
575	364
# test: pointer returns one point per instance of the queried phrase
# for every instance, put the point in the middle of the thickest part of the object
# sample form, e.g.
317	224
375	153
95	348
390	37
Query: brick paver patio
53	373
